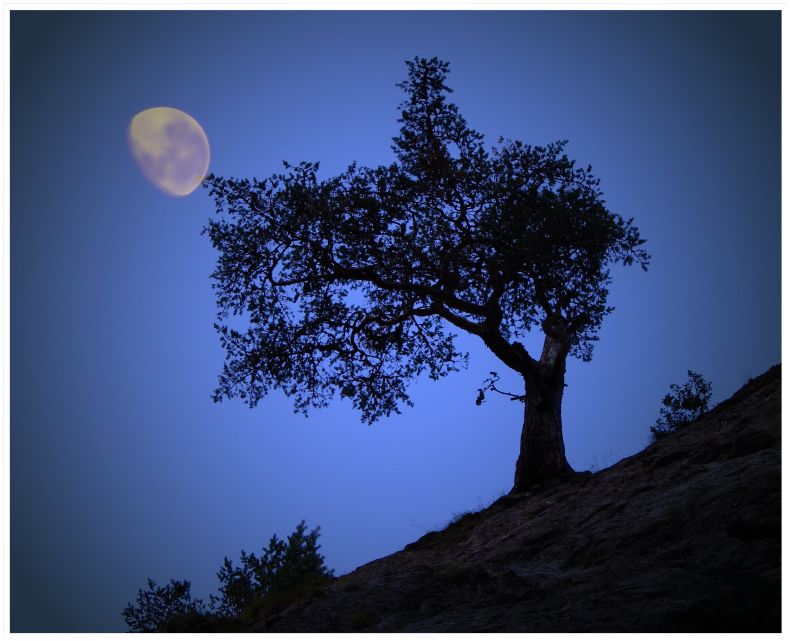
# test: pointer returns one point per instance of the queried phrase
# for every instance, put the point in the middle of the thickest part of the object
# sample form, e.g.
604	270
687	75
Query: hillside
682	537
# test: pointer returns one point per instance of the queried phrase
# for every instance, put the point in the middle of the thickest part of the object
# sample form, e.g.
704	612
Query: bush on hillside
682	405
156	605
284	566
285	572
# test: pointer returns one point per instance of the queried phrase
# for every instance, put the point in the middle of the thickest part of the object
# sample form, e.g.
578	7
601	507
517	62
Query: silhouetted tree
352	285
283	567
682	405
286	571
156	605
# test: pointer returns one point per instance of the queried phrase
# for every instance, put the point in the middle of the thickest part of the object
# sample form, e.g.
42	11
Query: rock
682	537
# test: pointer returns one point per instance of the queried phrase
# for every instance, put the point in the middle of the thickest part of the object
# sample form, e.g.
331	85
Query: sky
122	467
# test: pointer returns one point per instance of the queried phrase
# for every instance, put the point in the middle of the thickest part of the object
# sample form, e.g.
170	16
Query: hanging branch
489	384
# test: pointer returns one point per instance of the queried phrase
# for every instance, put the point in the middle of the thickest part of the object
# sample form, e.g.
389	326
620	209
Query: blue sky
123	468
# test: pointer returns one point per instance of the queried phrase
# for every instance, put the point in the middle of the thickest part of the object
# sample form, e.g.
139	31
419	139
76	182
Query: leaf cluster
682	405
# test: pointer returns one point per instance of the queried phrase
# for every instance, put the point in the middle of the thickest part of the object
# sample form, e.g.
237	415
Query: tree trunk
542	453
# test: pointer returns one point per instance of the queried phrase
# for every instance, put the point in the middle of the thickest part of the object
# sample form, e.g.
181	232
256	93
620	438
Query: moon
171	149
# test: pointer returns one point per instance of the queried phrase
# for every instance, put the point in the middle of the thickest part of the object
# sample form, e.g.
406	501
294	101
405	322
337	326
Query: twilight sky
123	468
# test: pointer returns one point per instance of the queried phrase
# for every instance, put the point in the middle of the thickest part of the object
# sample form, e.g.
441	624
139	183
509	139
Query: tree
683	405
286	571
354	284
156	605
283	567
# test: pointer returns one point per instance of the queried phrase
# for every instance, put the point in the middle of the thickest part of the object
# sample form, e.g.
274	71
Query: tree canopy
355	284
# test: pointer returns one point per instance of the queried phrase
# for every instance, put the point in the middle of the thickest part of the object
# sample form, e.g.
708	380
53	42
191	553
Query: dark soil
682	537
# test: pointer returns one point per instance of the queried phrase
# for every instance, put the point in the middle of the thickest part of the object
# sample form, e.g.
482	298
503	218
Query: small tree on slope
284	570
354	284
683	405
158	604
283	566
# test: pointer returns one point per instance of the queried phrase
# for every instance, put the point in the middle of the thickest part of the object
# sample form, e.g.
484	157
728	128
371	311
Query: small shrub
461	516
199	622
278	600
285	567
458	517
286	572
156	605
682	405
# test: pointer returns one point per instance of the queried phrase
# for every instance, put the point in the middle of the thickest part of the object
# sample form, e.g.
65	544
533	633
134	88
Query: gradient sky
123	468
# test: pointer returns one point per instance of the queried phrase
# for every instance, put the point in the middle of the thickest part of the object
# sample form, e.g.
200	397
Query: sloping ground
682	537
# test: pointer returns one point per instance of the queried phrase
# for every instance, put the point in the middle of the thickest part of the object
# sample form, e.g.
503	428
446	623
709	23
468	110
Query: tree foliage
354	284
285	568
682	405
158	604
282	567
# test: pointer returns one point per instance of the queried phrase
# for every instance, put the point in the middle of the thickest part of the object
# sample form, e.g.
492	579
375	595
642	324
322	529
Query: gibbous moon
170	148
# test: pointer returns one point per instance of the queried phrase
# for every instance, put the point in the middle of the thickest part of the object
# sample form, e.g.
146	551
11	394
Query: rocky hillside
682	537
